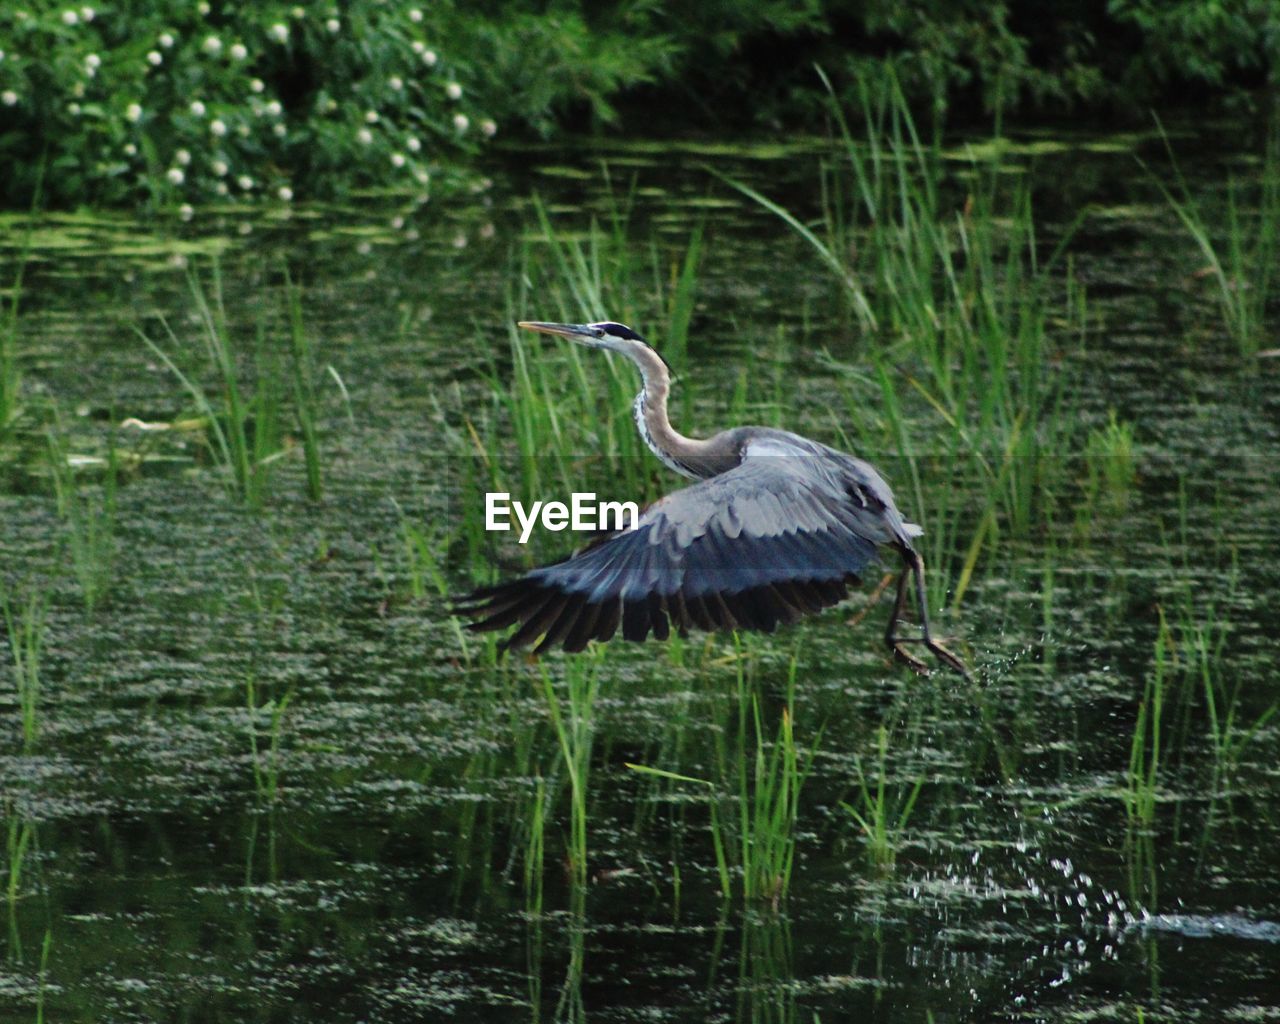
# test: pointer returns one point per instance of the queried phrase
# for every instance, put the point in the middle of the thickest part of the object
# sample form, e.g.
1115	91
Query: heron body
775	527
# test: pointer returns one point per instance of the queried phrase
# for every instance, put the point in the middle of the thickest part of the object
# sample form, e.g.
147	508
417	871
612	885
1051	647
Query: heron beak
576	332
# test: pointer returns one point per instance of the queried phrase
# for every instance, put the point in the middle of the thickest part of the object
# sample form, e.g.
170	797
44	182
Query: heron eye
599	333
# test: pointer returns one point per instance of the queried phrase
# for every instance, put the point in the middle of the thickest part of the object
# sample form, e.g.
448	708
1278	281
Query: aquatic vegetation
1110	470
574	723
243	417
90	516
1242	266
883	810
1142	781
766	778
306	403
25	621
266	763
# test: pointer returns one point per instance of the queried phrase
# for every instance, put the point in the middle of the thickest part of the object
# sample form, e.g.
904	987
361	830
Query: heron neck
678	452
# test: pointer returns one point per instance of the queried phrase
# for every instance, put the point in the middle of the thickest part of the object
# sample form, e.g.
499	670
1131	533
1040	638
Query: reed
1146	745
266	763
574	724
90	517
25	621
769	779
245	408
306	403
1242	265
883	808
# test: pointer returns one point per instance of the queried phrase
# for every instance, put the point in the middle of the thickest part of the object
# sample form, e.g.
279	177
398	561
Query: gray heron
777	526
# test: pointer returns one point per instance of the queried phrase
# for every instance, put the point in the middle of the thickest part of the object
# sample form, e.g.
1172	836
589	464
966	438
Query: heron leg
891	637
915	566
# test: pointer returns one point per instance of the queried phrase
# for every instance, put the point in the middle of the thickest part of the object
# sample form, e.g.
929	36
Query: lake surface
268	779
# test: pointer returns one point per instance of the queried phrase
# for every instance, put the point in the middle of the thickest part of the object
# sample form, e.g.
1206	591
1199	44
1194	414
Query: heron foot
935	648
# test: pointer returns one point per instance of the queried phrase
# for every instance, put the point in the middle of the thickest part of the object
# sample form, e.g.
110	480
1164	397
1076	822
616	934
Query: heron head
606	334
610	335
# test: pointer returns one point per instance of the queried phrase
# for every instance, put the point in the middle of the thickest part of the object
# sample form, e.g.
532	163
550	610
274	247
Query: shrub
187	102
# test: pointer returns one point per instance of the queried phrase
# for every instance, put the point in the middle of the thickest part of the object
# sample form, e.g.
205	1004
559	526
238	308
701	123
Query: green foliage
183	102
1204	41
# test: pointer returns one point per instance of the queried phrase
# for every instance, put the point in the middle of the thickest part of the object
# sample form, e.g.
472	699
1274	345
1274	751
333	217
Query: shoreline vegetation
150	105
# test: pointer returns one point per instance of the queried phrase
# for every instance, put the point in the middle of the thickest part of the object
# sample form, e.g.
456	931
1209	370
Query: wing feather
782	534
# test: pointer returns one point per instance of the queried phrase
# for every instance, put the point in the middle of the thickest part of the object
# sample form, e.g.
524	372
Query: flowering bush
183	102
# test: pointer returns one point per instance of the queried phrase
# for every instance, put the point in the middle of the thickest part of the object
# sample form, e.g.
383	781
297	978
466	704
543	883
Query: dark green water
371	864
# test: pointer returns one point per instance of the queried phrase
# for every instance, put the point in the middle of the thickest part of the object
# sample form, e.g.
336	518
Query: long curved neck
686	455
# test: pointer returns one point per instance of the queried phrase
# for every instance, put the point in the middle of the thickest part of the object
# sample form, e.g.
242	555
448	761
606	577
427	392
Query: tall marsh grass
242	393
950	300
1242	254
90	516
25	619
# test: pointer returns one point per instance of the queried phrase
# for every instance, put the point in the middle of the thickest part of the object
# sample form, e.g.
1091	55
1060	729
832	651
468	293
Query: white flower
218	127
239	51
1	55
255	85
212	45
298	13
285	193
422	176
333	25
203	7
245	182
418	45
197	108
186	211
175	176
488	128
70	18
279	32
459	241
154	58
88	13
92	61
278	129
397	159
183	156
396	82
130	149
8	97
460	122
220	168
415	15
487	231
242	129
273	108
412	144
133	112
73	109
77	90
429	58
364	136
371	116
221	188
166	40
453	90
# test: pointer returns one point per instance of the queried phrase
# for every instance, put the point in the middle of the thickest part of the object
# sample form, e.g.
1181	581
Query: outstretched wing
782	534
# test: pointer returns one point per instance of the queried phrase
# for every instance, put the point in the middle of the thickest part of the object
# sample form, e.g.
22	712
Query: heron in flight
777	526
